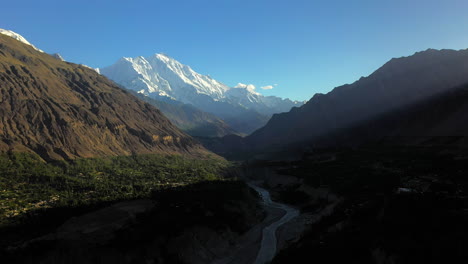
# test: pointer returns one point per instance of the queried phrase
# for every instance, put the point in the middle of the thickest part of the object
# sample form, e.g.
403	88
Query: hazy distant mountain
398	83
160	75
267	105
189	118
64	110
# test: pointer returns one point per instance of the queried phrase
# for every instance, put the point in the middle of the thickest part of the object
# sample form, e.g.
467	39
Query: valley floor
372	205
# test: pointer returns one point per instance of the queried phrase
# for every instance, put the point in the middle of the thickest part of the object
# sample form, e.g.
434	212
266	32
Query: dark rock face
398	83
63	110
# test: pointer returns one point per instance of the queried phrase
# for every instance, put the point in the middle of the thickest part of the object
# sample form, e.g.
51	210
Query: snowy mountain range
160	76
163	78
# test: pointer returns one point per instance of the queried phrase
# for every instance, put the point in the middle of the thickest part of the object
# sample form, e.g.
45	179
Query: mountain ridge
18	37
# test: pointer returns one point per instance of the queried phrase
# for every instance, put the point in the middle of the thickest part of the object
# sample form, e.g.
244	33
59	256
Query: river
268	245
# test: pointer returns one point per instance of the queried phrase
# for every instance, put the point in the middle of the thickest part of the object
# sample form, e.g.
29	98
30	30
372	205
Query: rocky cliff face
398	83
62	110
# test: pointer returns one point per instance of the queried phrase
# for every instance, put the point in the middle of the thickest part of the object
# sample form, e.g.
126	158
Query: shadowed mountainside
398	83
436	121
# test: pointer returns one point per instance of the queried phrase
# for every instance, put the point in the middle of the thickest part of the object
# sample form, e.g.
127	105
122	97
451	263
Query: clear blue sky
303	46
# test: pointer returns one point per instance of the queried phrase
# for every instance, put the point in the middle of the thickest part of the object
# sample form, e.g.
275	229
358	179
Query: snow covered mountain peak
164	57
17	37
160	75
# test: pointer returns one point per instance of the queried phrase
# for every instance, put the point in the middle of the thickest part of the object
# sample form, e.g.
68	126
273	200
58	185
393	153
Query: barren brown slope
64	110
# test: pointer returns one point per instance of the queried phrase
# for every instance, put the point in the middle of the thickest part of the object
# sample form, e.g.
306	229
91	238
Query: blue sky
303	46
